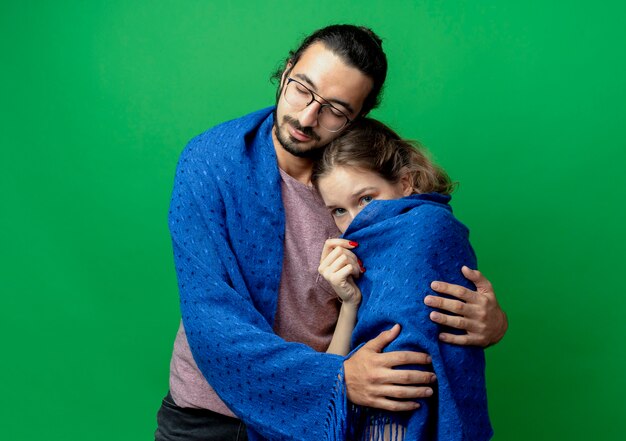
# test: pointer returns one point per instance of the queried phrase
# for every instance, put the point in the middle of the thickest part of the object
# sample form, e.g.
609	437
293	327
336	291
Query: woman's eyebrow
311	84
363	190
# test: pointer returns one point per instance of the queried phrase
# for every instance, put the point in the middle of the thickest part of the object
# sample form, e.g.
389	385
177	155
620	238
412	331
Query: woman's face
346	190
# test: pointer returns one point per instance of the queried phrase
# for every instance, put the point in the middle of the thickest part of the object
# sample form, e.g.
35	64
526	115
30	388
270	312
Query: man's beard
291	145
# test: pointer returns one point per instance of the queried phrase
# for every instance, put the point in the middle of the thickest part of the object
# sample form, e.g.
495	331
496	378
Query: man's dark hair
358	46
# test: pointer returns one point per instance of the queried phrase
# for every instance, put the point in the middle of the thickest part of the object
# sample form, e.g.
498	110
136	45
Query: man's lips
297	134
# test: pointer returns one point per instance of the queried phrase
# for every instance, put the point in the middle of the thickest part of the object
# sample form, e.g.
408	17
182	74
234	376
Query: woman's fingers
338	258
343	273
344	261
331	244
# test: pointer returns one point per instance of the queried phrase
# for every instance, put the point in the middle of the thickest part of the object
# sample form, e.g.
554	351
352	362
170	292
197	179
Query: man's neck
298	168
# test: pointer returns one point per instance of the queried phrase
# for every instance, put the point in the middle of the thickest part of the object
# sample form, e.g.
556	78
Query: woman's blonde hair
371	145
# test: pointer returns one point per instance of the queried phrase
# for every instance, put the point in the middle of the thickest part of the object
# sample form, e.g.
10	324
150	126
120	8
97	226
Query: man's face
297	130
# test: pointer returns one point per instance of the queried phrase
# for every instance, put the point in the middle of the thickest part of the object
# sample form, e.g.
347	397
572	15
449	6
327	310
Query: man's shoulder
228	147
230	133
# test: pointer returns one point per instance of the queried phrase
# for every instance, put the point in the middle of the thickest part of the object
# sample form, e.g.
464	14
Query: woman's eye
338	212
365	200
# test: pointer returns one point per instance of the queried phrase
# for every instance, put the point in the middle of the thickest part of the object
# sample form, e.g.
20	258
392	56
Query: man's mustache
308	131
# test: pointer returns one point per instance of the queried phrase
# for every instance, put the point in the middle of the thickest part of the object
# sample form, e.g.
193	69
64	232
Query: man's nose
308	115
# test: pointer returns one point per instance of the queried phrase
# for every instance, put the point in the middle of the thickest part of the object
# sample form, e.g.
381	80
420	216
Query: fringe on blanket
368	424
337	410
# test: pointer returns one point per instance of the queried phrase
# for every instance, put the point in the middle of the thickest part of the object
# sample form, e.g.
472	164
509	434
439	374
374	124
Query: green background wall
523	102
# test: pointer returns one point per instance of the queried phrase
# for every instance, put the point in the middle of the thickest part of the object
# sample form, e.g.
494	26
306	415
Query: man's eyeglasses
299	97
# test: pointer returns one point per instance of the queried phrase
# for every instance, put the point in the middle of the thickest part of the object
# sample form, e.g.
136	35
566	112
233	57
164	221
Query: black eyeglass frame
322	104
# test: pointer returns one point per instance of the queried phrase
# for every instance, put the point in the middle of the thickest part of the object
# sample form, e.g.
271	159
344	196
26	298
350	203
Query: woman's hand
339	266
477	312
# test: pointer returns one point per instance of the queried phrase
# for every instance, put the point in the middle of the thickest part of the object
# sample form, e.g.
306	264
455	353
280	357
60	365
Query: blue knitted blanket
405	244
227	224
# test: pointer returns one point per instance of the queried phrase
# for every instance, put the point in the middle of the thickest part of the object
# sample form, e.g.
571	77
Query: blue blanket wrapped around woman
405	244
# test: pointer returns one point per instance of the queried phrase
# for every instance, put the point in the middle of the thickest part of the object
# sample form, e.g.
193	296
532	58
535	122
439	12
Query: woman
406	236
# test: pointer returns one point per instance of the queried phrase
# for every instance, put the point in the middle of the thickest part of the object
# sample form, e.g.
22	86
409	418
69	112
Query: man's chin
298	148
300	152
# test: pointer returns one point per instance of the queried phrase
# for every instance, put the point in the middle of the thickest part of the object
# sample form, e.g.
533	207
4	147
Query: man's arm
477	312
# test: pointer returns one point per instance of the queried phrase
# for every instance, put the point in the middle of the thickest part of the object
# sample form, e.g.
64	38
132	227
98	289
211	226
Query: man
247	231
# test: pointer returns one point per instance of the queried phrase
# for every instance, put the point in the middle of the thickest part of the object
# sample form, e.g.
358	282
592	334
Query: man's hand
372	381
479	313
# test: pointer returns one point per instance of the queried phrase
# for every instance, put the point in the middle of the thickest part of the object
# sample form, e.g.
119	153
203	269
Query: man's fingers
412	377
457	291
381	341
463	340
453	306
482	284
388	396
399	358
452	321
406	392
392	405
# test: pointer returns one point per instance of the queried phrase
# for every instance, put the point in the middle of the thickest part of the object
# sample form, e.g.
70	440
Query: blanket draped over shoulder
406	244
227	224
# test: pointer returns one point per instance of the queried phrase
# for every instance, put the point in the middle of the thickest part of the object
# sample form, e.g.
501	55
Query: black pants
184	424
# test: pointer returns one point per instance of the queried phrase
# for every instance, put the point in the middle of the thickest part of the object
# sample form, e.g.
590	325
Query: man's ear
286	72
